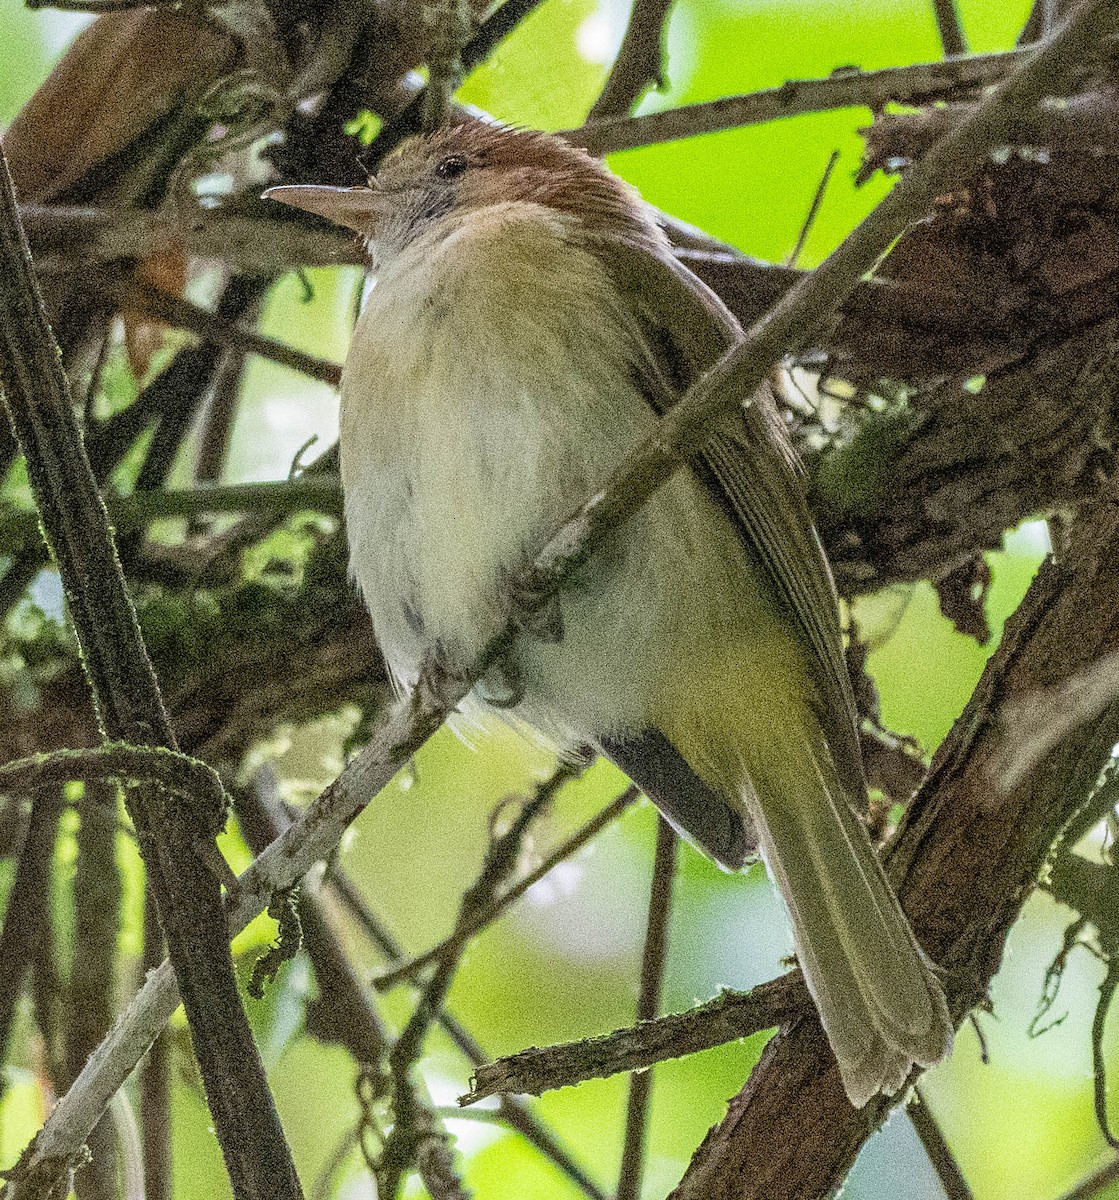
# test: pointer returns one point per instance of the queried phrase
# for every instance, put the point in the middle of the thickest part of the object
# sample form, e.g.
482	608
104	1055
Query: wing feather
680	328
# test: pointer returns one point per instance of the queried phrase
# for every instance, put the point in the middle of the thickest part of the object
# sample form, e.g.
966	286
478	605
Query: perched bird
528	324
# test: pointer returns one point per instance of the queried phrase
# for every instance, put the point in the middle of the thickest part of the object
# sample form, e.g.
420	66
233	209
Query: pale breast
488	391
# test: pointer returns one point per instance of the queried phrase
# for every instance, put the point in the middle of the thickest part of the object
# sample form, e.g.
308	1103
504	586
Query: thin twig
653	961
239	295
813	209
345	1012
640	61
948	26
174	772
1099	1068
408	725
129	706
279	498
500	861
449	22
941	1157
136	295
917	84
512	1110
1041	22
491	912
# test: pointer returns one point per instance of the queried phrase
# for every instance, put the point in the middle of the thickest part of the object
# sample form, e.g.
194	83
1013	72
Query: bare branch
922	83
344	1011
679	433
155	1080
1083	123
92	983
1034	724
510	1109
488	913
61	236
640	61
948	26
27	903
653	961
130	707
730	1016
1096	1183
134	295
500	861
941	1157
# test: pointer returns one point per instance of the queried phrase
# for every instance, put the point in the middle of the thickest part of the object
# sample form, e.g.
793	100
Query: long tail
881	1006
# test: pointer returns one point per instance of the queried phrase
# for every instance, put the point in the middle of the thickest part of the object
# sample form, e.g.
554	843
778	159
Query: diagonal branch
130	708
922	83
679	433
640	61
485	914
730	1016
936	1147
653	961
133	294
948	26
403	1141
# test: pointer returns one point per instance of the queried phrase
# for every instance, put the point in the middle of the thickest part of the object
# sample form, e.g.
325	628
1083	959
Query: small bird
528	324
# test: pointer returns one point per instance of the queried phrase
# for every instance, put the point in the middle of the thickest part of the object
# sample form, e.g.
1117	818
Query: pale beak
352	206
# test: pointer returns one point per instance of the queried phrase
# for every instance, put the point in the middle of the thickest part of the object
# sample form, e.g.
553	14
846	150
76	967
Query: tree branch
1082	124
948	26
932	1138
344	1012
679	433
728	1017
135	295
924	82
256	244
404	1139
129	705
965	862
653	959
640	61
513	1111
486	914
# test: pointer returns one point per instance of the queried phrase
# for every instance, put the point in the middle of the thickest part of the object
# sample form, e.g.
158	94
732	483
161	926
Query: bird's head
432	182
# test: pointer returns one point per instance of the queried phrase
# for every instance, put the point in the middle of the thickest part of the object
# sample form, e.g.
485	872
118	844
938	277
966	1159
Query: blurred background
564	962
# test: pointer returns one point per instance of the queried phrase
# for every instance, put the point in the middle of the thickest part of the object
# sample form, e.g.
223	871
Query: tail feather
880	1003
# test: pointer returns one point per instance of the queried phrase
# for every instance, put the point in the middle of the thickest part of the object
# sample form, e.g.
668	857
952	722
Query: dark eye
451	167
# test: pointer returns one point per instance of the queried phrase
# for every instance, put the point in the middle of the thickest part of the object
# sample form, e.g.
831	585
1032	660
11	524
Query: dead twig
653	959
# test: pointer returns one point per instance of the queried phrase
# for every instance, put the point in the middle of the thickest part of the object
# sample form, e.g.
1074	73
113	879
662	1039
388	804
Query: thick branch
679	433
131	708
1083	123
730	1016
964	863
844	89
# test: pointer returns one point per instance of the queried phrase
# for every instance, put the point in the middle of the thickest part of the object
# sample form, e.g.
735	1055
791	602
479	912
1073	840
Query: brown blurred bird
528	324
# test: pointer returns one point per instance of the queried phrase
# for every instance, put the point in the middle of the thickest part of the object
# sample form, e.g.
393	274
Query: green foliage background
564	964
